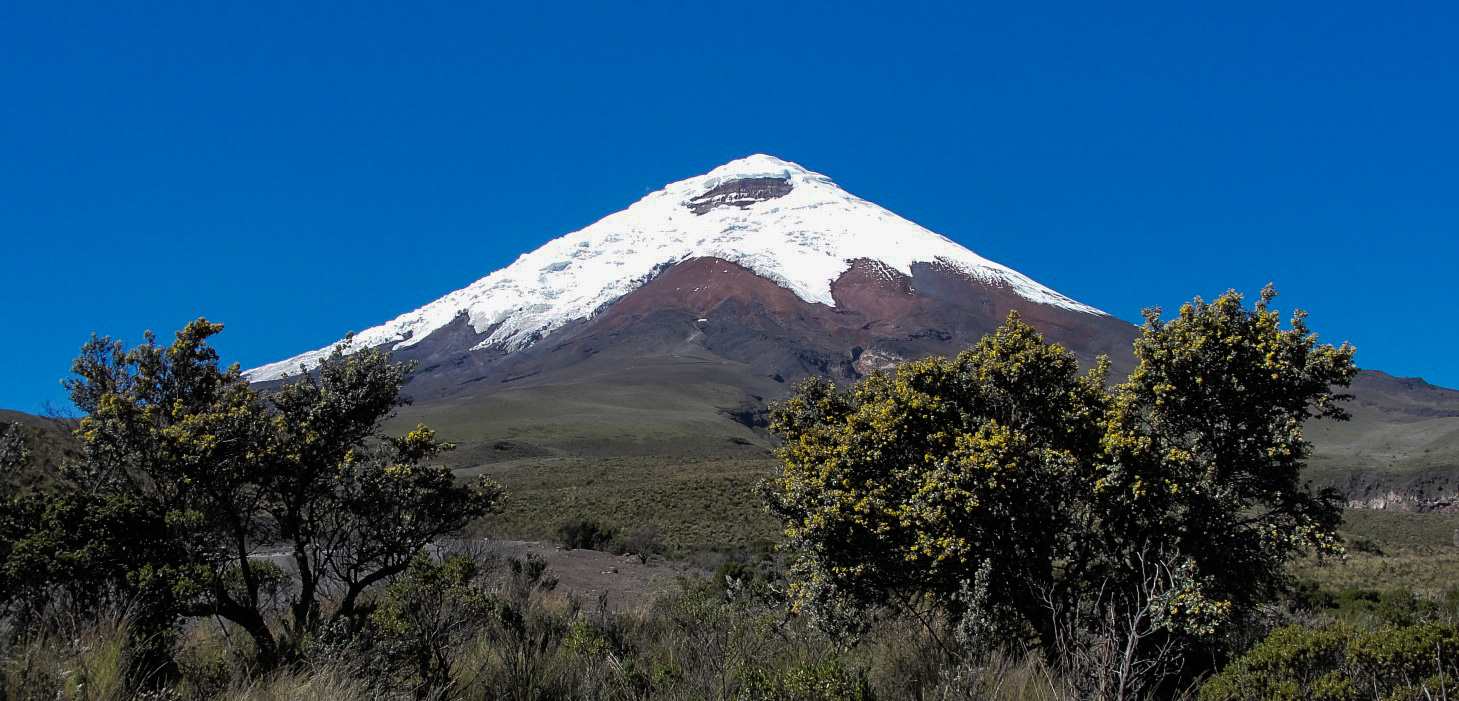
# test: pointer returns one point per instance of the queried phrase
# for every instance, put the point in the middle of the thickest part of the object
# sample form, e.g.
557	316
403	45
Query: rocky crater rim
741	192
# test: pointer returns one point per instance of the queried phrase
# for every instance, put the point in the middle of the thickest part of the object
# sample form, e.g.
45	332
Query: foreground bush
1006	494
186	470
1341	663
464	627
827	681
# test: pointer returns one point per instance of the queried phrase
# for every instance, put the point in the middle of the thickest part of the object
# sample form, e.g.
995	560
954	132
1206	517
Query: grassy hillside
1403	439
1393	550
48	442
695	503
653	405
654	443
671	442
660	442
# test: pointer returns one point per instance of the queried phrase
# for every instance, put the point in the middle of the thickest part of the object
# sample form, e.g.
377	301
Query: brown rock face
710	305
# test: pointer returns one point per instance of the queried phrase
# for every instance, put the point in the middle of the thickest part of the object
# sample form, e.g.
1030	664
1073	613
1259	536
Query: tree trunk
266	648
306	606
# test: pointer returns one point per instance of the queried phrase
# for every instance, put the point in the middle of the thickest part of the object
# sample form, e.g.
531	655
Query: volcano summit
843	265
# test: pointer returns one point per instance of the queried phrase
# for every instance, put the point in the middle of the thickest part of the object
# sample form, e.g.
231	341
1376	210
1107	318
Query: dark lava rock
740	193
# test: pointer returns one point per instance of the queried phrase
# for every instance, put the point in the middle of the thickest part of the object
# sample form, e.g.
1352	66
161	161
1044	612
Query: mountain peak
785	223
762	174
756	165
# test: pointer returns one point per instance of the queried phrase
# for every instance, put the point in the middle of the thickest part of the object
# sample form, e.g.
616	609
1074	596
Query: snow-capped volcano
774	218
668	328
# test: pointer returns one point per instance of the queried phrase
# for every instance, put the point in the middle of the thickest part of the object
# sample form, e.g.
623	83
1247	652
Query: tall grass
700	644
509	635
73	658
315	681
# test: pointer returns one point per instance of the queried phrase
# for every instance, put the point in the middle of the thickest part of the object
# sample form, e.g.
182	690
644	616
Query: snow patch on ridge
803	241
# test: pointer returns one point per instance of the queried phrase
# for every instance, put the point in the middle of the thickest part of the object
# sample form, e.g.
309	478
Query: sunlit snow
803	241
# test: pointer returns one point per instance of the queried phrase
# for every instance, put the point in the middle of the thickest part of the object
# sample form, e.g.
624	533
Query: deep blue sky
296	172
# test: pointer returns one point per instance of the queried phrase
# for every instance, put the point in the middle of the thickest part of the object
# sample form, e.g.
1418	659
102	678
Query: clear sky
296	171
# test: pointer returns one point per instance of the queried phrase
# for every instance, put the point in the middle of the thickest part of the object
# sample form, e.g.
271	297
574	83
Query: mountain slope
48	443
666	329
775	218
1401	449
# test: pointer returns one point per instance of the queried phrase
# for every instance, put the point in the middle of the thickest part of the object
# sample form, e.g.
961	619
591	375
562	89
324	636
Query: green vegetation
185	471
1416	552
994	526
1002	494
585	533
696	503
1340	663
460	627
47	443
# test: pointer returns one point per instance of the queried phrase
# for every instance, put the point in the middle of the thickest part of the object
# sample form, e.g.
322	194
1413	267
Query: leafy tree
898	490
1002	491
187	472
1204	446
68	544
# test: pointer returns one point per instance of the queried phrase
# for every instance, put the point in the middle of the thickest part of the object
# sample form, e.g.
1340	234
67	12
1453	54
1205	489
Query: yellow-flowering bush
1172	499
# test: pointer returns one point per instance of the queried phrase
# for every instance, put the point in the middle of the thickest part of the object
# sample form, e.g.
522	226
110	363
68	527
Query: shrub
830	681
583	533
205	668
323	681
1309	596
1073	502
1396	607
644	542
1341	663
517	650
428	614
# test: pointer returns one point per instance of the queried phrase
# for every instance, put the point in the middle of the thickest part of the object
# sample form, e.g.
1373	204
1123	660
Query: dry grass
1424	571
72	660
697	503
698	645
694	645
320	681
1400	550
